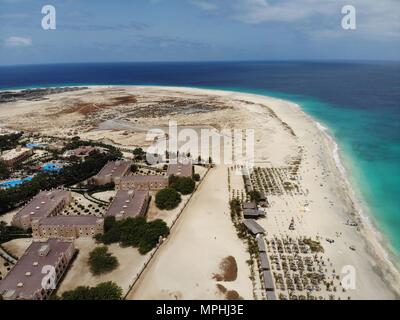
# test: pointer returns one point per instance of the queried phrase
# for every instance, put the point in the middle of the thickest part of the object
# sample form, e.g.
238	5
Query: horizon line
207	61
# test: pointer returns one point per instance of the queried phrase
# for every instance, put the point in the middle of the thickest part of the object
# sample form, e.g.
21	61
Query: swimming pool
51	167
14	183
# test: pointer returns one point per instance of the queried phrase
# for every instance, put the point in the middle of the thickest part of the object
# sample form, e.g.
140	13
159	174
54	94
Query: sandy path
184	266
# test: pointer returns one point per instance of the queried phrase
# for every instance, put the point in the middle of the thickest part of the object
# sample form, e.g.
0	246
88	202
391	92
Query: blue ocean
358	102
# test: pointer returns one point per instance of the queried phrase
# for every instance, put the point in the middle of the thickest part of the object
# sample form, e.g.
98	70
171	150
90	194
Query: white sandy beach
183	267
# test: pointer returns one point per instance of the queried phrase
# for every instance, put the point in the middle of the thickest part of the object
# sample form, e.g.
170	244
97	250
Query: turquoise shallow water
358	102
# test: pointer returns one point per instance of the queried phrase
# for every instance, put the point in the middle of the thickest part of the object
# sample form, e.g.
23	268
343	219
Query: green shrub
184	185
135	232
101	261
109	222
168	199
103	291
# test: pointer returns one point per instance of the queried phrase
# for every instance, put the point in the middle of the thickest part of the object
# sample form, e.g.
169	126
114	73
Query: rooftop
180	169
268	281
25	278
261	244
253	226
12	154
128	203
70	220
264	262
43	203
250	205
114	168
143	178
83	150
253	212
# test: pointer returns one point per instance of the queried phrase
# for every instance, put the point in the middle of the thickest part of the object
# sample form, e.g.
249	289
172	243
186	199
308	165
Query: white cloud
204	5
259	11
18	41
374	19
315	18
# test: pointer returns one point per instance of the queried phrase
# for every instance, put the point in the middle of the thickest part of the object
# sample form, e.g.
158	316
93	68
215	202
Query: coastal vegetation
135	232
103	291
167	198
101	261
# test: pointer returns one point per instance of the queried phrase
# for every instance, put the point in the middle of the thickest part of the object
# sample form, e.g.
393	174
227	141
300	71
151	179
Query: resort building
44	204
261	244
180	169
80	152
249	205
141	182
15	156
264	261
113	171
56	146
253	213
67	227
253	226
131	203
268	281
25	279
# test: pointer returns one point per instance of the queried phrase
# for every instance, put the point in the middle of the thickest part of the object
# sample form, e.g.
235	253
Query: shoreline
374	235
380	245
362	208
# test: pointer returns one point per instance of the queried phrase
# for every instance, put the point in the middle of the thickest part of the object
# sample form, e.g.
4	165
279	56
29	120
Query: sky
197	30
